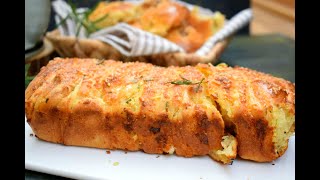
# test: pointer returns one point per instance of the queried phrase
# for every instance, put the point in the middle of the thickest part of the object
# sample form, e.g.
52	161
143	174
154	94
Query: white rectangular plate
91	163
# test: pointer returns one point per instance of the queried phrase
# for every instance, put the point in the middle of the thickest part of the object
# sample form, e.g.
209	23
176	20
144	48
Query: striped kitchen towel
131	41
233	25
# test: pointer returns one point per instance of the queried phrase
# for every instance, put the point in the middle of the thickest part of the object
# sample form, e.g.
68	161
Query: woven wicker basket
87	48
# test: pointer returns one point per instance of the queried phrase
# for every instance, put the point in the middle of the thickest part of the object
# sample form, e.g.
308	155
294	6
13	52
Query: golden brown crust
161	17
194	31
133	106
115	11
121	106
244	98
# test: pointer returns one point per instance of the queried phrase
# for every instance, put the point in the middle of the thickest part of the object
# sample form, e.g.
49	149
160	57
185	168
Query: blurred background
273	16
270	16
266	44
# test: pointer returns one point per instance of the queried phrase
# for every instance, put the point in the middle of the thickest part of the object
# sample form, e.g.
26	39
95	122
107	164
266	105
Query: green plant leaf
27	79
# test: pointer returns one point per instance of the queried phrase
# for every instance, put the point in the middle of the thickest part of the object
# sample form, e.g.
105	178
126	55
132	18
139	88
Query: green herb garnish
63	21
198	87
100	19
167	105
128	101
185	81
82	19
27	78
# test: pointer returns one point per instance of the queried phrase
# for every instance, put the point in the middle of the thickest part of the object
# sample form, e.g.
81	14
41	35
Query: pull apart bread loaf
210	110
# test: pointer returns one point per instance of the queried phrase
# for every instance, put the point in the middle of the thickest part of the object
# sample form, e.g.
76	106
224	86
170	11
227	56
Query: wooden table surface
273	16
